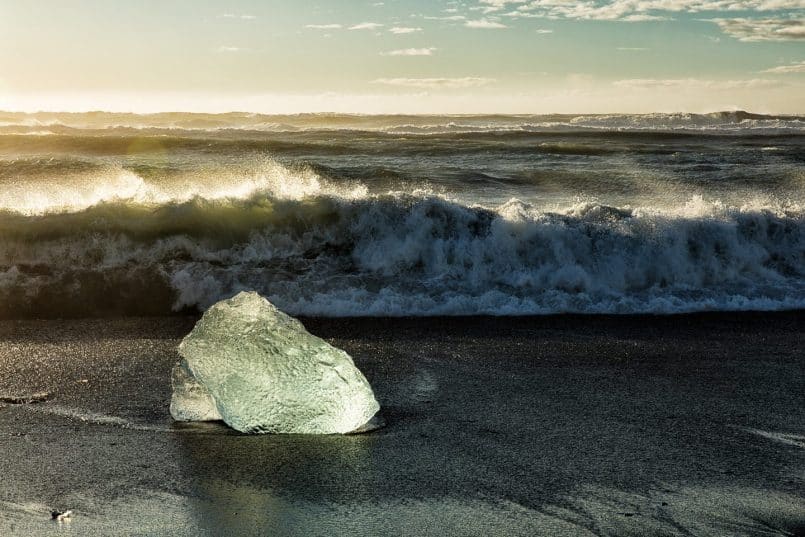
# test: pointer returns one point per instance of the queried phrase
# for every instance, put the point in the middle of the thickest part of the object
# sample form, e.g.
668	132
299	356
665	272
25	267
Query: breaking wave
126	247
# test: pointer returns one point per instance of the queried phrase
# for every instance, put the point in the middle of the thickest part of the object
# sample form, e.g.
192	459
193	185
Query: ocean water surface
340	215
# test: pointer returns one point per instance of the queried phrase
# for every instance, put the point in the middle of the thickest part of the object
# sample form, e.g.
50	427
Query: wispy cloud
787	69
445	18
693	83
436	83
489	6
410	52
745	29
366	26
404	30
323	26
485	24
645	17
628	10
522	15
237	16
228	48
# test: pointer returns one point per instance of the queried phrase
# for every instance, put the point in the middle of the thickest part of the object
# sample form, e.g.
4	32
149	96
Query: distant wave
315	248
174	123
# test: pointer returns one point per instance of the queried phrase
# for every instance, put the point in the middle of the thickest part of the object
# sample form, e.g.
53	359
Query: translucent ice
259	370
191	401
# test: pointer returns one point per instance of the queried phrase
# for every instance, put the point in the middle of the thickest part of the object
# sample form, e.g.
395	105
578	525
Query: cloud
404	30
693	84
490	6
410	52
628	10
543	31
366	26
763	29
323	26
484	24
787	69
227	48
236	16
447	18
522	15
436	83
644	17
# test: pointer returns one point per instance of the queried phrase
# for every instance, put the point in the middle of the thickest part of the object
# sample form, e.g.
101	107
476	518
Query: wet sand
564	425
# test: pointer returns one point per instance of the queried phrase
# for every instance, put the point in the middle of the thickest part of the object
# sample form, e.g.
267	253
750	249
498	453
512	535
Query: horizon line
402	114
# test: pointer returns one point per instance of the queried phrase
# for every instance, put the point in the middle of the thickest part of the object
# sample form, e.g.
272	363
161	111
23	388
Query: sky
403	56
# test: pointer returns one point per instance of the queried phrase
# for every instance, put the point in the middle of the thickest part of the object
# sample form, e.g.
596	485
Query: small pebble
60	516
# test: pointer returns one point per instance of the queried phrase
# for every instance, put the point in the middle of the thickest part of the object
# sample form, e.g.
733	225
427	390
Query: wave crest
77	187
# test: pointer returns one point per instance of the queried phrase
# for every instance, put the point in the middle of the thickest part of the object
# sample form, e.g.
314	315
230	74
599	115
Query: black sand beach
561	425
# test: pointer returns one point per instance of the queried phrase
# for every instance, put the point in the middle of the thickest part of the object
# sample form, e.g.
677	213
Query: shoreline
561	425
192	313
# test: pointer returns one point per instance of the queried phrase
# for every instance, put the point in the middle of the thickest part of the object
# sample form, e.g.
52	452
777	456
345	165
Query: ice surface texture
191	401
259	370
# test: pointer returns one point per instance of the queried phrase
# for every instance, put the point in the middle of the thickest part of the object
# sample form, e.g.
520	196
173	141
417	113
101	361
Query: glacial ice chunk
259	370
191	401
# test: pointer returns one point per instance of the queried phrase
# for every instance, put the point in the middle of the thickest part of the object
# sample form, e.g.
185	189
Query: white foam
791	439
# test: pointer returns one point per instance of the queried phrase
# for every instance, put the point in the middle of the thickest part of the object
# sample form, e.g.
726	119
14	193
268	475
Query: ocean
106	214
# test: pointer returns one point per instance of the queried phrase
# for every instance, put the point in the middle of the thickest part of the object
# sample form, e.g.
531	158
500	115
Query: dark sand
570	425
